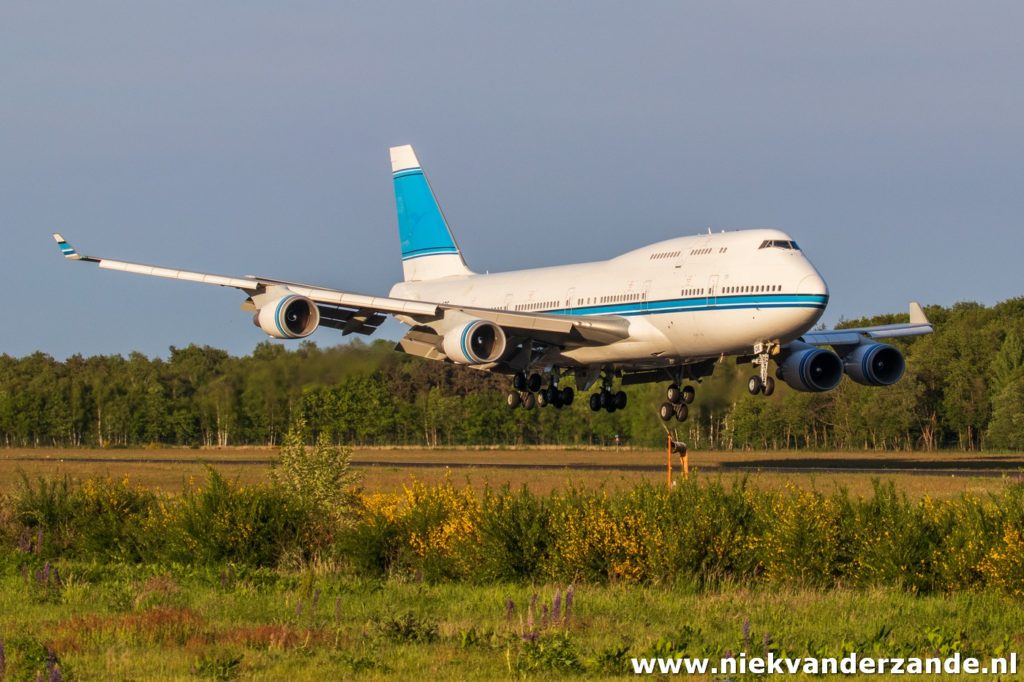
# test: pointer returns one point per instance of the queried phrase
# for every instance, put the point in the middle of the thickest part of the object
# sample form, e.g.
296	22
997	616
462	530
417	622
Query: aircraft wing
917	326
361	313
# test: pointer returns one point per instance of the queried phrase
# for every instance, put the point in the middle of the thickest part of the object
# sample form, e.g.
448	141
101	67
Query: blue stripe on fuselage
697	304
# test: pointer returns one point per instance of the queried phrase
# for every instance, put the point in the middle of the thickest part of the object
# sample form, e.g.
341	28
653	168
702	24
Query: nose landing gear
761	382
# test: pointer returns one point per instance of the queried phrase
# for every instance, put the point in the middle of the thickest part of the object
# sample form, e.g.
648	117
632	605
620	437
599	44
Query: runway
988	467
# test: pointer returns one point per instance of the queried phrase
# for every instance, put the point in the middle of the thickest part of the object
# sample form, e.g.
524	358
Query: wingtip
917	315
66	249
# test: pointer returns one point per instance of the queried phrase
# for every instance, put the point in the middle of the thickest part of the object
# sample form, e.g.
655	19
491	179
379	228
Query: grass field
297	620
168	623
170	469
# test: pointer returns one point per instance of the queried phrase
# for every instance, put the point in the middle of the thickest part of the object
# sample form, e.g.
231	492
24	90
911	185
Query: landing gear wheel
607	400
513	400
542	399
689	393
754	385
666	411
610	408
620	400
682	412
674	395
567	396
519	381
769	386
552	394
529	401
534	383
595	402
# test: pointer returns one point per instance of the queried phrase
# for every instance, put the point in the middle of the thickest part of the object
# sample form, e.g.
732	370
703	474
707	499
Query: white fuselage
686	299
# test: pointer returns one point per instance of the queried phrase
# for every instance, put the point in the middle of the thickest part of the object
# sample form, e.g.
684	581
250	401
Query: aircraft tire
529	401
513	400
769	386
666	411
754	385
534	383
689	393
620	400
595	402
682	412
567	396
519	381
674	395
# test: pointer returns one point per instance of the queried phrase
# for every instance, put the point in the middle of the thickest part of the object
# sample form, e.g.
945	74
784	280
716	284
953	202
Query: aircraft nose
813	284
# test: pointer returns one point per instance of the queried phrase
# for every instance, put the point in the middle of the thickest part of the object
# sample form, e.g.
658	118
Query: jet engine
288	317
474	342
808	368
874	364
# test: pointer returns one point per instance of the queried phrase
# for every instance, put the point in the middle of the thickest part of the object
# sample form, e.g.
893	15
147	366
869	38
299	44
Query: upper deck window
779	244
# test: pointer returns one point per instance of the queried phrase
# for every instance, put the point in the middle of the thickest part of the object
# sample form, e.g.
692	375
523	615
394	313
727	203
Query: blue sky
252	137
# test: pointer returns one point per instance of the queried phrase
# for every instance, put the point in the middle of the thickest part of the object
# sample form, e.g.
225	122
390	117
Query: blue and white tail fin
429	250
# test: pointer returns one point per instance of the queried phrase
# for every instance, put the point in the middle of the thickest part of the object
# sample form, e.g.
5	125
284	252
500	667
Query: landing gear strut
606	399
761	382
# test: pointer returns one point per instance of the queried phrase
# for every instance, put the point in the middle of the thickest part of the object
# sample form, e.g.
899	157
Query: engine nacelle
874	364
288	317
811	369
474	343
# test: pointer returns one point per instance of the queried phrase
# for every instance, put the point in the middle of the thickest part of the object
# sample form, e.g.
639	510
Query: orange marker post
669	436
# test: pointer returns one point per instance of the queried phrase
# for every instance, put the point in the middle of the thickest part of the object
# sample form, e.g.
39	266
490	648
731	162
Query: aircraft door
570	299
713	291
645	294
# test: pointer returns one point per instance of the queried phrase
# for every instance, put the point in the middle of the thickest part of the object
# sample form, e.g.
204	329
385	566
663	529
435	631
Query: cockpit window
779	244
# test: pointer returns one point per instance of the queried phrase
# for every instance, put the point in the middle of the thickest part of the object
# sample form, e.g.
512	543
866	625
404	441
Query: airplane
666	312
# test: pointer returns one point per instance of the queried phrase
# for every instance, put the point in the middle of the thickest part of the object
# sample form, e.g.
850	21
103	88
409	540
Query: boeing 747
666	312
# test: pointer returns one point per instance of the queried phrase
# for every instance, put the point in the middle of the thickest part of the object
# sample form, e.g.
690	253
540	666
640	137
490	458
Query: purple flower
544	615
746	634
510	608
570	592
529	617
556	606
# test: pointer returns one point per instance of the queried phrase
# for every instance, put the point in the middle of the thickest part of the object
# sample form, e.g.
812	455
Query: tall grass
699	533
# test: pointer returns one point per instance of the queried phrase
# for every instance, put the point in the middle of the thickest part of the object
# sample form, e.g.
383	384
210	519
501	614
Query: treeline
964	388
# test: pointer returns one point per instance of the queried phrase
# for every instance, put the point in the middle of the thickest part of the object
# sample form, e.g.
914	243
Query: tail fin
428	249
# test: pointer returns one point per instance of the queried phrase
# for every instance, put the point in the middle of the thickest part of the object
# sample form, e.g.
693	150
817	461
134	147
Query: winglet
917	315
65	248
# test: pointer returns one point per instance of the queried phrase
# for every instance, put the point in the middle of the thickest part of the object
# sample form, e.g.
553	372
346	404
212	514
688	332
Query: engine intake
811	369
474	343
874	364
288	317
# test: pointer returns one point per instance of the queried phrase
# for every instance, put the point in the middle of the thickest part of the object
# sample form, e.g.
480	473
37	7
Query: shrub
513	535
226	522
321	477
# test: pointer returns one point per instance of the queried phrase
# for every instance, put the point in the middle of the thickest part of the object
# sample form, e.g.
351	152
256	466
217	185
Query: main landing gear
761	382
528	392
676	406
